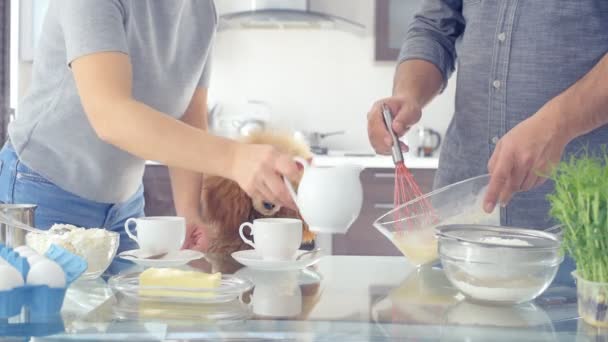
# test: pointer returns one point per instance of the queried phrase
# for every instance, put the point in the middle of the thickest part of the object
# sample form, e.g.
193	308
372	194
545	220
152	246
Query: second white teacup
275	238
158	234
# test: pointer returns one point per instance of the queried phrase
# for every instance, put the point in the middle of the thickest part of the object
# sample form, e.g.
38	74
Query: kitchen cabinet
157	191
378	187
393	18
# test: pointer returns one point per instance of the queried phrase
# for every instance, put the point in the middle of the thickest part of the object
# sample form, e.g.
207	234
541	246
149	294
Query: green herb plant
580	204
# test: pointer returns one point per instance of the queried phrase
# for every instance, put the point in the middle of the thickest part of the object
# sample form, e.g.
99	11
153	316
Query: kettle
429	141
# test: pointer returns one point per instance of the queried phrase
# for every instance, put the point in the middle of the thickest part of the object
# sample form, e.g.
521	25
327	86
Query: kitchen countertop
342	298
366	160
370	160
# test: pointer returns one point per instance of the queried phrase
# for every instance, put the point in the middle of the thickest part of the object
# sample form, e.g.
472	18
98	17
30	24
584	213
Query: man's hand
523	157
406	112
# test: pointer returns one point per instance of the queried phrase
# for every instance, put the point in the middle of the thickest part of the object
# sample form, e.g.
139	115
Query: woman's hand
522	158
406	112
259	170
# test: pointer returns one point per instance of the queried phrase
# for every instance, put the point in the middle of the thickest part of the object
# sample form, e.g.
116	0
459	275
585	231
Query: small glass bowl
498	273
592	301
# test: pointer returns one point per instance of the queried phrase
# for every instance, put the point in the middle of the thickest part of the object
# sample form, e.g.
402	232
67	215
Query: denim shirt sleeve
433	33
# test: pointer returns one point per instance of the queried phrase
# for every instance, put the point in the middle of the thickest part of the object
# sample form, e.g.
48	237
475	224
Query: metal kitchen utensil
406	188
429	141
15	221
312	253
313	139
149	255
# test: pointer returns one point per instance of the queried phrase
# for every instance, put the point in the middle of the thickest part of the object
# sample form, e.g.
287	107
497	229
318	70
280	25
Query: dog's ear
224	205
307	235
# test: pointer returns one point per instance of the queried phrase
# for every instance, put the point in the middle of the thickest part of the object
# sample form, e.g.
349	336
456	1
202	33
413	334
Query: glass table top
341	298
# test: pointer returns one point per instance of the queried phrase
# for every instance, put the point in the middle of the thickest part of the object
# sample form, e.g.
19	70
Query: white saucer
172	259
252	259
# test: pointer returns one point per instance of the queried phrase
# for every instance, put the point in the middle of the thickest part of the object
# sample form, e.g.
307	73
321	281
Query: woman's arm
187	185
104	82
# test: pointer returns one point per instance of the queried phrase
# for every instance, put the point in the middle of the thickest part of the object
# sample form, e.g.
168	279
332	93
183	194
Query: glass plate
230	288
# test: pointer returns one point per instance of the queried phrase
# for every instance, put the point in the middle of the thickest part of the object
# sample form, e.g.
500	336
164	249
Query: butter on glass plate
228	289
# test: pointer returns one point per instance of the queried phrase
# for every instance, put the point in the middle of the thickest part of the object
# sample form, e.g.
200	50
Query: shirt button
502	36
496	84
495	140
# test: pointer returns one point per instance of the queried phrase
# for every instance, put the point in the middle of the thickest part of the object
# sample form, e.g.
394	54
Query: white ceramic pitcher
329	198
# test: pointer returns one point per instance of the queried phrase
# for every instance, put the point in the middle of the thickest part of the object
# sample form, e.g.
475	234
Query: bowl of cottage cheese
96	245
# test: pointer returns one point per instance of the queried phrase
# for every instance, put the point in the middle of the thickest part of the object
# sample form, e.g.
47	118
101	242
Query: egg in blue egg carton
37	282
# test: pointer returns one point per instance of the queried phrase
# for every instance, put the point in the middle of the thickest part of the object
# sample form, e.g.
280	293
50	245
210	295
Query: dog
225	206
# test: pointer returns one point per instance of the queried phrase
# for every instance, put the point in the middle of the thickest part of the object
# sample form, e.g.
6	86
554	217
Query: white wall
314	80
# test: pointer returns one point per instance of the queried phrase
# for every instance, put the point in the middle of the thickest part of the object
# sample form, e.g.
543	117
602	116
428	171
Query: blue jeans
21	185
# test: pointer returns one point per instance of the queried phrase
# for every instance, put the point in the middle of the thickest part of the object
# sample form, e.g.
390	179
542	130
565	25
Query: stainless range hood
287	14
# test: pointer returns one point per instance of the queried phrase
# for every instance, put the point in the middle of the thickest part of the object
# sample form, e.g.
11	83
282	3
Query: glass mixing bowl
498	265
458	203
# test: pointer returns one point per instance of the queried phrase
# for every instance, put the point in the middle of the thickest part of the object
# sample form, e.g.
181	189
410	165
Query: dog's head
225	205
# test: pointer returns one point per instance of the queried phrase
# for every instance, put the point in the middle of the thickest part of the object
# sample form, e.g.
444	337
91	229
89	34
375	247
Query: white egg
26	253
46	272
10	278
22	249
34	259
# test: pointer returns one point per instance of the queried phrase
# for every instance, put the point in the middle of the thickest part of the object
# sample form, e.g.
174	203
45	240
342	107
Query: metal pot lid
500	237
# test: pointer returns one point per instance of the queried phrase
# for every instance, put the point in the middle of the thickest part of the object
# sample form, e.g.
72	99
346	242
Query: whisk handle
388	121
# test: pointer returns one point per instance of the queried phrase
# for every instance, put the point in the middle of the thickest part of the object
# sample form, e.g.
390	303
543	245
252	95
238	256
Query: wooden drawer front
363	239
379	185
157	191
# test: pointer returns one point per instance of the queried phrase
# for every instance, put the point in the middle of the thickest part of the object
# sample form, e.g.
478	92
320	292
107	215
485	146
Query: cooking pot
313	139
24	213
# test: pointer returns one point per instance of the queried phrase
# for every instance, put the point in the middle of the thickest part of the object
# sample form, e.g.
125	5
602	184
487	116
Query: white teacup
275	238
278	296
158	234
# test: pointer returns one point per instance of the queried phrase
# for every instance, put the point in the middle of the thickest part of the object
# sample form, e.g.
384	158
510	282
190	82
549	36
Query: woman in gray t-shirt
115	83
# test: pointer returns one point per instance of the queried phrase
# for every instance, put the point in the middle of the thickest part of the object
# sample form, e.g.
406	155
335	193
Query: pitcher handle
290	189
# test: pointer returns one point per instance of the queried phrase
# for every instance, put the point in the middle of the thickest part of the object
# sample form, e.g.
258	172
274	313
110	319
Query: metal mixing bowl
478	261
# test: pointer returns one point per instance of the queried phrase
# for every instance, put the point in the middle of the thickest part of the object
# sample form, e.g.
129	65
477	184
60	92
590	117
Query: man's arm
187	185
532	148
426	62
584	106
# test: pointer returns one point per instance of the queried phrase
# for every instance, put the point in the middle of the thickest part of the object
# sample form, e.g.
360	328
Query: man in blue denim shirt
532	88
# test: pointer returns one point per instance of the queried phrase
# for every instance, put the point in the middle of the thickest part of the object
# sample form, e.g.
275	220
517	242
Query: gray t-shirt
168	43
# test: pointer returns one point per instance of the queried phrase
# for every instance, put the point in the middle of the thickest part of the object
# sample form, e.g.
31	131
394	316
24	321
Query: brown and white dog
225	205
